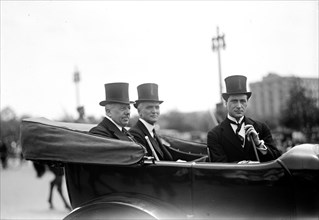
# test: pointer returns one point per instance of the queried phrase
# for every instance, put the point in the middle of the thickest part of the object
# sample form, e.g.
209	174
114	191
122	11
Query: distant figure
232	140
56	182
117	113
148	107
4	154
81	112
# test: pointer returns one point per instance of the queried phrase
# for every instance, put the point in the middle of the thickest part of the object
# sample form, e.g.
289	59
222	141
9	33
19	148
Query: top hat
147	92
116	93
235	85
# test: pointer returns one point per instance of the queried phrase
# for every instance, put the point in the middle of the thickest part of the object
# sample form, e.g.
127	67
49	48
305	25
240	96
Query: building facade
270	96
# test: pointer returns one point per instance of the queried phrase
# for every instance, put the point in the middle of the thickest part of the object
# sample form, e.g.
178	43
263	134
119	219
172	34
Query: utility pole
219	42
79	108
76	80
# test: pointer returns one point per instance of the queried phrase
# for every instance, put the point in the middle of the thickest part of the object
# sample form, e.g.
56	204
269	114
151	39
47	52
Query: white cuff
261	146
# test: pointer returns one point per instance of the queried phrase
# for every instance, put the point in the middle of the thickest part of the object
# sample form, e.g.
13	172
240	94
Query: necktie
239	125
124	131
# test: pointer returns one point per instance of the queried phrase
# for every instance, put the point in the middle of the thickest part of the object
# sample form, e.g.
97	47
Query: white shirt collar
148	126
119	127
234	119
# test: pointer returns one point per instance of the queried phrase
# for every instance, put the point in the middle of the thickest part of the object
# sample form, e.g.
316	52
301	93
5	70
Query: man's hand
248	161
181	161
251	133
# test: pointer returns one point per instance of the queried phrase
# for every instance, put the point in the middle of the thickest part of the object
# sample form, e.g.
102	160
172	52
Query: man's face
149	111
236	105
120	113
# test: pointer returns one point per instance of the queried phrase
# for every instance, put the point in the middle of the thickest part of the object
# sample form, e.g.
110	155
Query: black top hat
147	92
235	85
116	93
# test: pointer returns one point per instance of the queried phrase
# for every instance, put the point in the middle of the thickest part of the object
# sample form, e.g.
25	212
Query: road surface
24	196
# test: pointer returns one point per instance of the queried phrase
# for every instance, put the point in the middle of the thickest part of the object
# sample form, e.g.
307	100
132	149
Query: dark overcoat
139	131
107	128
225	146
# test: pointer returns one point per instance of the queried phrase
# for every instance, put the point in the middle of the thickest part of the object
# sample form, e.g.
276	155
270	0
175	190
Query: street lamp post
219	42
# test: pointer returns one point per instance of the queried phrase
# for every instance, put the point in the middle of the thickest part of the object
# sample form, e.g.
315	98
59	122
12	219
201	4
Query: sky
165	42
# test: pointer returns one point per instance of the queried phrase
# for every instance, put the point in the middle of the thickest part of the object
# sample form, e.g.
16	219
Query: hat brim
226	95
146	100
103	103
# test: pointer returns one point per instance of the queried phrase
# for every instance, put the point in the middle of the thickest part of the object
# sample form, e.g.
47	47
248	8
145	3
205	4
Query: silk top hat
147	92
116	93
235	85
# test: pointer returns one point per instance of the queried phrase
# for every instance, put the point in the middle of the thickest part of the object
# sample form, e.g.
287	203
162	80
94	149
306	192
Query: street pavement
24	196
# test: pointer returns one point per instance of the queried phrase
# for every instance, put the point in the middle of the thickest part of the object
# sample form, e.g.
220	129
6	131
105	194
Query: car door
242	191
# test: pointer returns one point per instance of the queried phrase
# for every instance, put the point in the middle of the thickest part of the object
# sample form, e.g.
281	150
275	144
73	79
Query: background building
270	96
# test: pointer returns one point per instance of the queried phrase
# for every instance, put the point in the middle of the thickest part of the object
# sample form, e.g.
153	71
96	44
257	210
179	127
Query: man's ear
138	108
108	112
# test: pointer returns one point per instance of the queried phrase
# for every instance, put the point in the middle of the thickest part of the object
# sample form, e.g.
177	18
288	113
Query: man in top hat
148	107
239	138
118	110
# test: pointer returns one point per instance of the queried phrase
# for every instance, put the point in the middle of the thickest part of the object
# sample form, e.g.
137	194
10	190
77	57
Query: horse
57	181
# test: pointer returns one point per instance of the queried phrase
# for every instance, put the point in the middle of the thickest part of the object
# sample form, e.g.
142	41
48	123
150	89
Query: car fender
126	206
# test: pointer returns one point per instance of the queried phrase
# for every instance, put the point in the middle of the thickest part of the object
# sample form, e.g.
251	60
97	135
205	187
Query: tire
109	210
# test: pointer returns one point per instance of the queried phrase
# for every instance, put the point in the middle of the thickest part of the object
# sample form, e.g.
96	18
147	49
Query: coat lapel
141	126
230	135
248	121
144	130
116	133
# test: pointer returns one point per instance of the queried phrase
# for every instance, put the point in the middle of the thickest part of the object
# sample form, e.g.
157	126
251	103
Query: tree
301	112
186	122
7	114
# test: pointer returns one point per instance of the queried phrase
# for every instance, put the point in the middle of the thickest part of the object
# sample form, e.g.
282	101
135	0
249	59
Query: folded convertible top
47	140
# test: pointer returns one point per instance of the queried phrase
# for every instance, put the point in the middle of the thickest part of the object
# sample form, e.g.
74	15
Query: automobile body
112	179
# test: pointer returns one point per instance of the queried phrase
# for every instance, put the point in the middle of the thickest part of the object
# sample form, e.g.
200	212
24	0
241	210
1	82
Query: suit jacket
139	131
225	146
106	128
